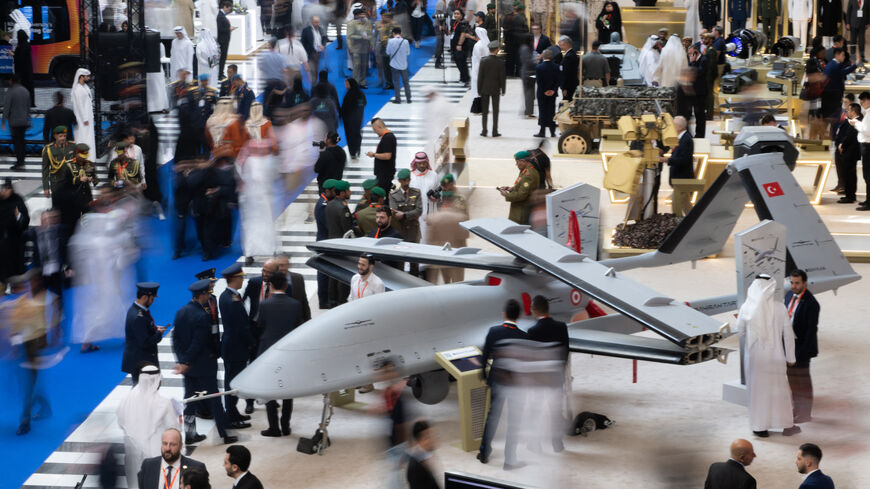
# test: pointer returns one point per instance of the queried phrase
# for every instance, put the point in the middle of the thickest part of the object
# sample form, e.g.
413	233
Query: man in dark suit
237	341
547	75
548	330
279	315
223	34
499	381
141	335
59	115
236	463
540	42
695	95
491	86
569	76
197	361
808	458
681	161
297	285
256	293
803	309
168	466
732	474
848	153
856	18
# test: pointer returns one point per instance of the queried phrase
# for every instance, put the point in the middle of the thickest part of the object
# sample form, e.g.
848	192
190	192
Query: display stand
243	40
465	364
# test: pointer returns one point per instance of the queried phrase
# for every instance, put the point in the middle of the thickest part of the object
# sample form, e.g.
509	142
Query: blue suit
817	480
246	97
140	340
236	344
547	76
192	344
805	324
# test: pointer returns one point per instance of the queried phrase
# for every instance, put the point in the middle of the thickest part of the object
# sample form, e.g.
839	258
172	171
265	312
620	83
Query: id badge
214	329
202	103
860	13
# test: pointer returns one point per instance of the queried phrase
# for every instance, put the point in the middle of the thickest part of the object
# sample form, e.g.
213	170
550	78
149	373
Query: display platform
243	40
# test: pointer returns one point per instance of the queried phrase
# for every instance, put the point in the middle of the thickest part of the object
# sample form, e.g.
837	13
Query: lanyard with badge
795	300
361	291
167	484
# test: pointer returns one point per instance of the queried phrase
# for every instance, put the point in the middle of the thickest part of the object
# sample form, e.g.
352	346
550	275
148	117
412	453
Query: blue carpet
76	385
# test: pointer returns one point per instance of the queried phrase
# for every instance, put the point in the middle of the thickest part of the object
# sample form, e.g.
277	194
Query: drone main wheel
575	141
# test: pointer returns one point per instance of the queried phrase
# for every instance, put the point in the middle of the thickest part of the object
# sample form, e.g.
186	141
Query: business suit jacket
419	476
543	43
817	480
851	16
140	339
547	76
493	336
252	293
191	340
149	473
492	76
728	475
223	29
569	77
308	39
805	323
279	315
548	330
297	291
237	340
847	135
249	481
682	162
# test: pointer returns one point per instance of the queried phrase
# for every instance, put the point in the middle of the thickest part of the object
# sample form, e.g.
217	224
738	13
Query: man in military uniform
710	13
338	222
197	362
178	88
141	335
123	170
384	30
57	177
83	176
448	191
520	194
490	24
407	206
738	12
192	117
243	95
366	199
237	341
359	38
366	218
768	12
326	195
226	83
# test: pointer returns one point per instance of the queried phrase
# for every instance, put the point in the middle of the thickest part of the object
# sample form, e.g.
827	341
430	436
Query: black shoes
229	440
396	101
239	425
540	135
791	431
496	134
483	133
483	458
846	200
863	207
195	438
286	431
23	429
249	408
761	434
270	432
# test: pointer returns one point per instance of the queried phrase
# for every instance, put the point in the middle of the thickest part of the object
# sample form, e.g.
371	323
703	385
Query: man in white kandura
181	55
769	347
83	107
365	283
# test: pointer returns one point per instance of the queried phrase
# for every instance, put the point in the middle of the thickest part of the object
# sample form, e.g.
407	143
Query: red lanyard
509	326
521	176
795	299
324	198
360	292
211	309
378	233
122	169
166	482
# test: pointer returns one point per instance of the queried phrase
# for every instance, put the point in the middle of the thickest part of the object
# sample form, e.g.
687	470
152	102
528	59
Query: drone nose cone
261	380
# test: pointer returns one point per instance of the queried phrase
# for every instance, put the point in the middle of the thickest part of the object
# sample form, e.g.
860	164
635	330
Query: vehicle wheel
64	73
574	141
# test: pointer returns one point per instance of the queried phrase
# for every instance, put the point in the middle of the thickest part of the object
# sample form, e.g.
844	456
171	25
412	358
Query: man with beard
365	283
168	465
407	205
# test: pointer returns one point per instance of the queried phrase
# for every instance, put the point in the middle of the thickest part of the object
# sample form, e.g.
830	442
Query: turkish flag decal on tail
773	189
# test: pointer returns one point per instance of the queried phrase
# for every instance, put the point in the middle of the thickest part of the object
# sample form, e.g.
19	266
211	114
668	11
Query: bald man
297	285
256	293
732	474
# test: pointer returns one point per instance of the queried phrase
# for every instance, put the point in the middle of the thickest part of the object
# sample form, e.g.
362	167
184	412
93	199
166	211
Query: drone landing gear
320	441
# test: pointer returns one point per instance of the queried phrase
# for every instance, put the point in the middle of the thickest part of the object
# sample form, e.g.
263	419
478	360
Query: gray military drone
339	348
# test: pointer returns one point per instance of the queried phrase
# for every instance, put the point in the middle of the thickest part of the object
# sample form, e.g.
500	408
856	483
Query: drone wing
673	320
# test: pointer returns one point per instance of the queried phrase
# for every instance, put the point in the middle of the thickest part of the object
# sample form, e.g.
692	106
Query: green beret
60	129
519	6
329	183
342	185
82	148
521	155
403	174
369	184
447	179
490	5
379	192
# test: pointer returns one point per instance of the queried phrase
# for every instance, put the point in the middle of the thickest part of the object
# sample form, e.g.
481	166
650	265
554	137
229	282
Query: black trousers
546	111
529	95
231	369
192	385
207	228
801	390
385	177
269	101
865	168
856	36
848	166
699	108
18	143
338	293
461	61
272	414
224	49
484	106
353	132
439	48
